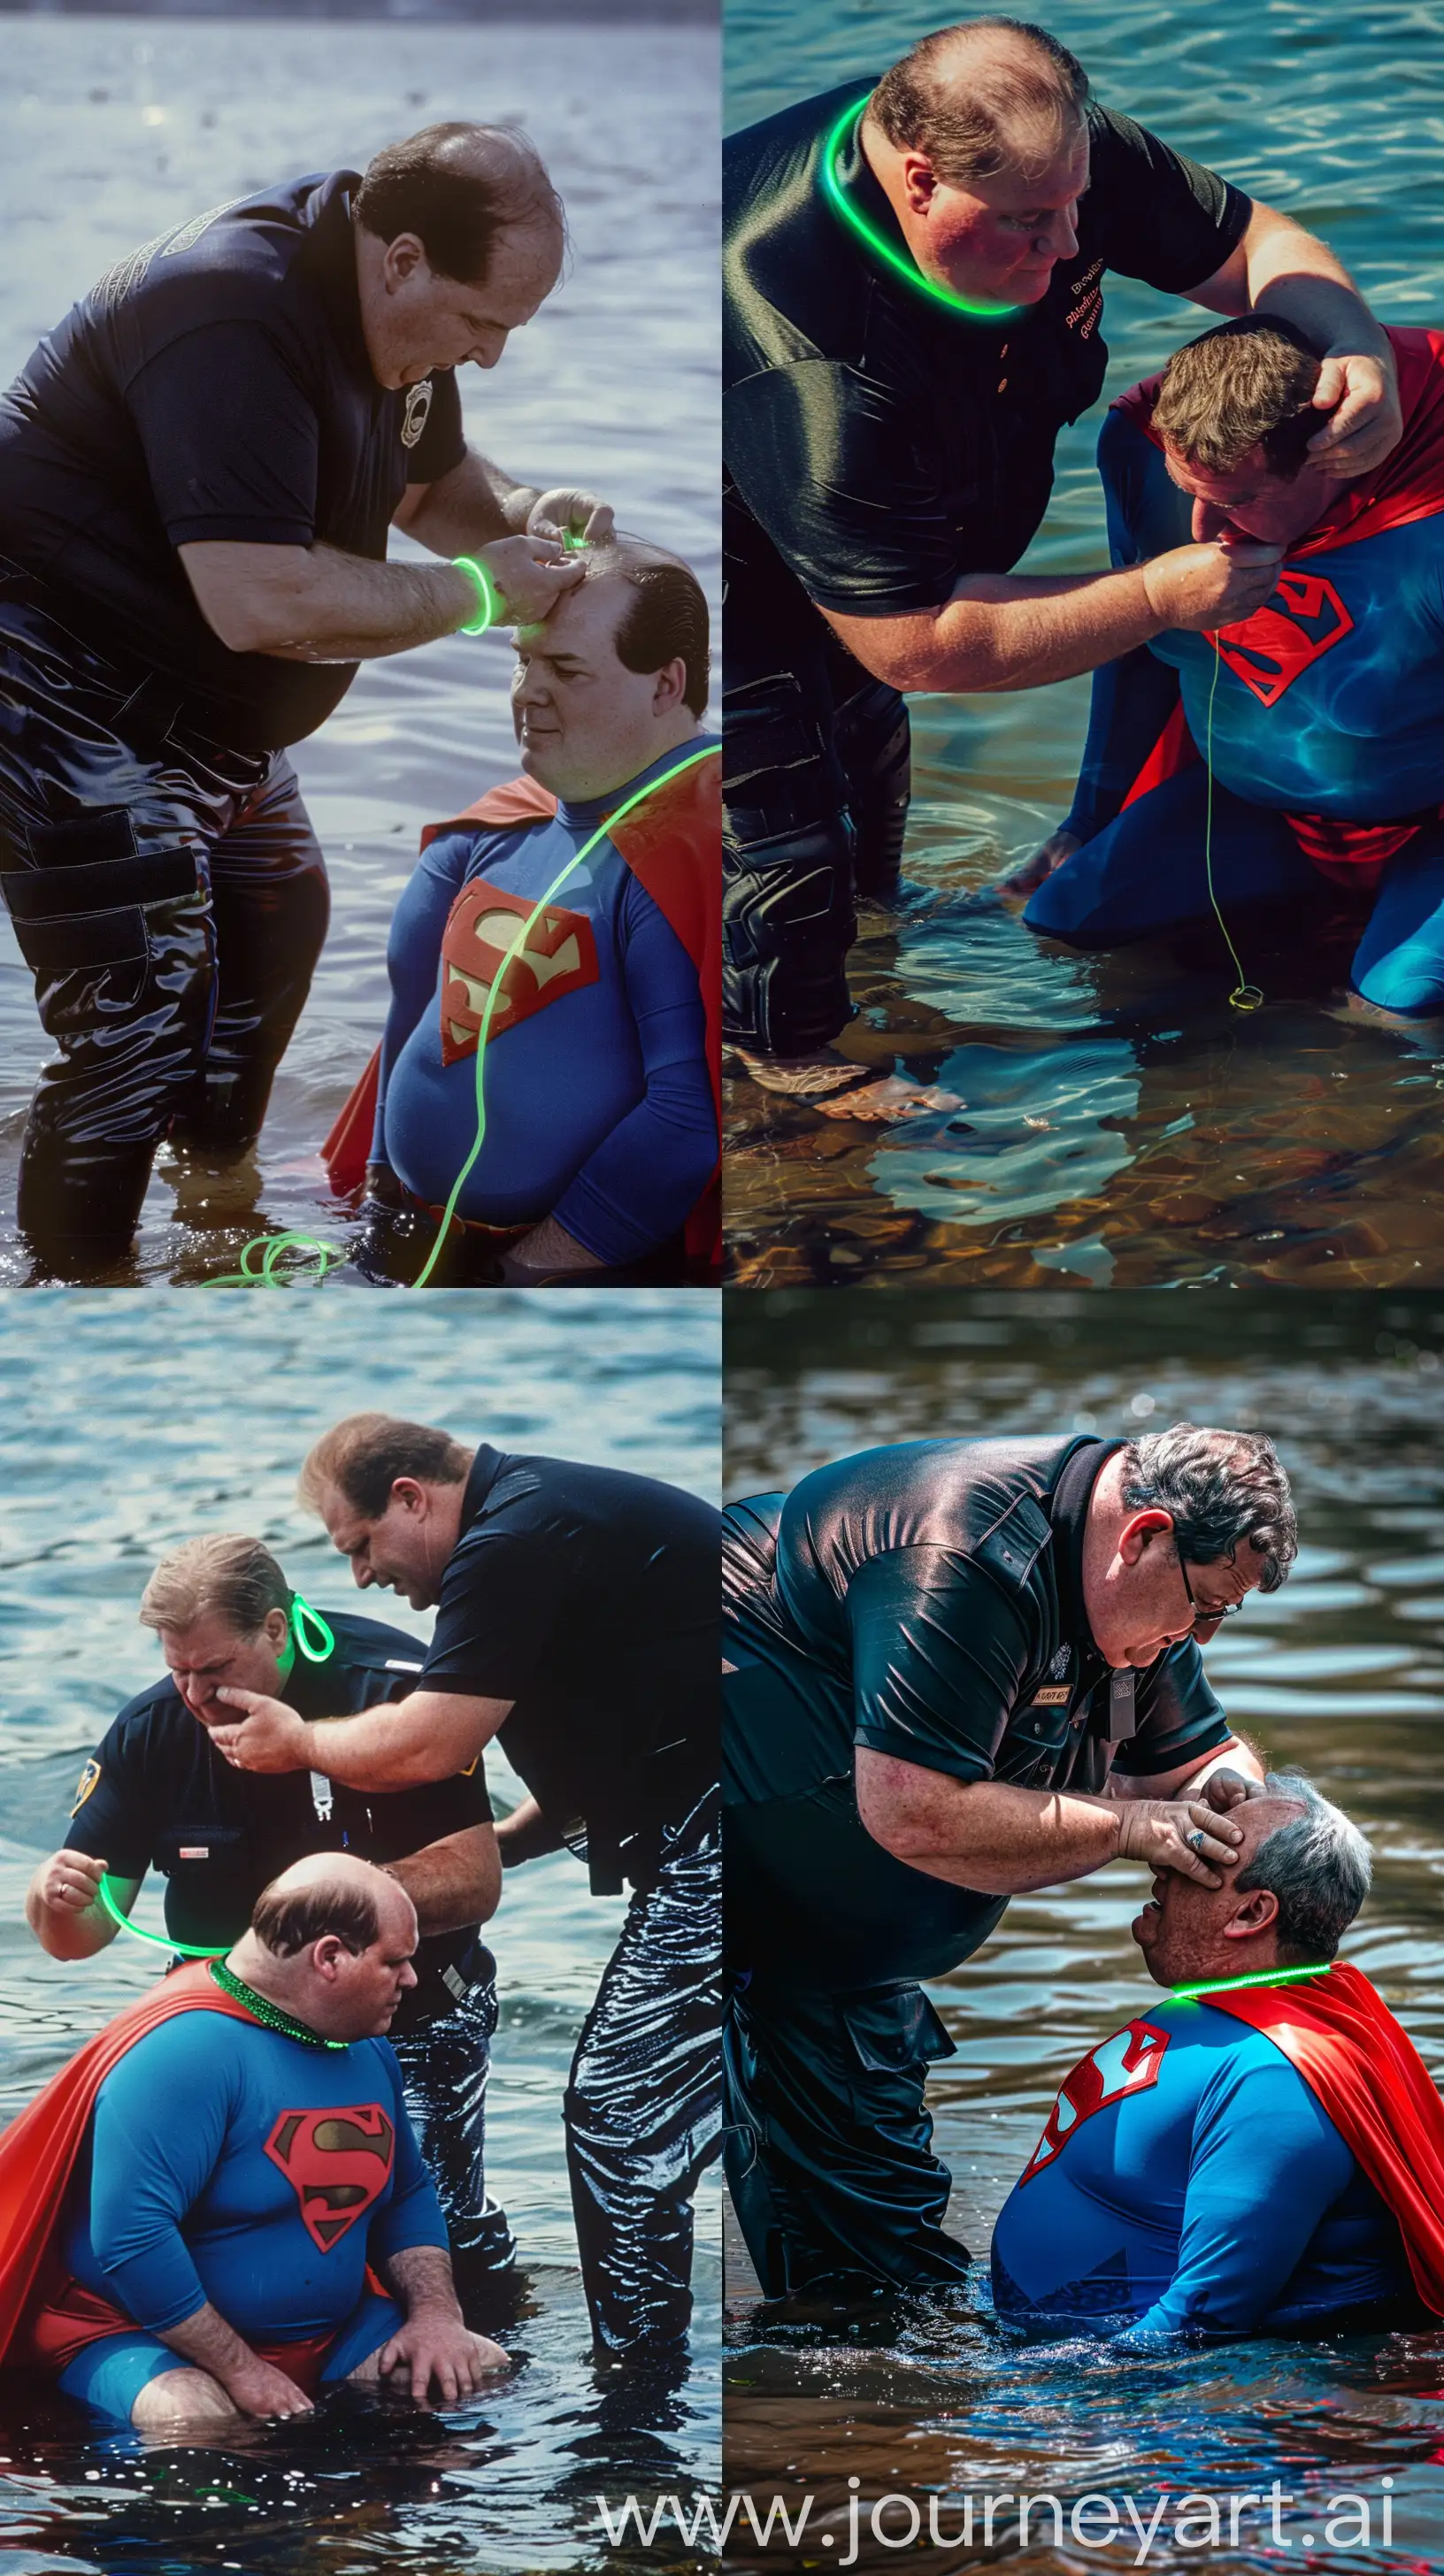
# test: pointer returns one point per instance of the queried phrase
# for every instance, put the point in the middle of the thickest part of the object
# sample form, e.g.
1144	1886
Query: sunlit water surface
119	1439
1122	1124
1340	1673
111	130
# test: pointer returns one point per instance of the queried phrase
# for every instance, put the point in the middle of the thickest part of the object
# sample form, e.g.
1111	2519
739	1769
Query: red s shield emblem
338	2163
1304	619
560	955
1126	2063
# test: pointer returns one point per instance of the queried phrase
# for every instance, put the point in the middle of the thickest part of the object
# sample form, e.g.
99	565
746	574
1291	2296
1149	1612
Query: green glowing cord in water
1260	1977
1245	996
271	1247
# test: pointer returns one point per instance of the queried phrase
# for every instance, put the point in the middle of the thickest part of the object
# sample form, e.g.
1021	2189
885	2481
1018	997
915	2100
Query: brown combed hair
288	1921
666	619
237	1577
457	214
968	129
1248	384
363	1456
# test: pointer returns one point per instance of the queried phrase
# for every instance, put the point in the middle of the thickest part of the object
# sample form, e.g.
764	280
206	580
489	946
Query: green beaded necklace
265	2011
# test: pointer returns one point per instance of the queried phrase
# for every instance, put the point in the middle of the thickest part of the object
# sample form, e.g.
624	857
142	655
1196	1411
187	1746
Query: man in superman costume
1261	2159
602	1054
190	2210
1327	745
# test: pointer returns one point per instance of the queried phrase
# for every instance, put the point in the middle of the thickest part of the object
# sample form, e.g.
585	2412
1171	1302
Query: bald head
617	675
1303	1872
982	96
331	1941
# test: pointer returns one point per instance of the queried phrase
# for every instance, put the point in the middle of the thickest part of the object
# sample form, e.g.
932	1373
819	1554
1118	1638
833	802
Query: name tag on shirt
194	1851
1056	1695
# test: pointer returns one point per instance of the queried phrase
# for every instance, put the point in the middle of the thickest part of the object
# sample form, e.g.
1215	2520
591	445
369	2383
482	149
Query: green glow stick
518	943
301	1611
490	596
883	249
157	1941
1260	1977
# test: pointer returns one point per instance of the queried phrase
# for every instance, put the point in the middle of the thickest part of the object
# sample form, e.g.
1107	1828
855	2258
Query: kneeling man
590	1140
190	2211
1323	707
1262	2154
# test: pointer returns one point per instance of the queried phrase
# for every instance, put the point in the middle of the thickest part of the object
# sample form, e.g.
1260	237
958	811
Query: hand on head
1189	1931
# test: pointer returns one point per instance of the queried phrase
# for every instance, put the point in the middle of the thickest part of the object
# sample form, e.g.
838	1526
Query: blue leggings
1145	875
111	2372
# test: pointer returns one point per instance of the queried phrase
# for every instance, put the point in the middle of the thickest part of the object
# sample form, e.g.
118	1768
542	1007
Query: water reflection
1127	1126
1342	1672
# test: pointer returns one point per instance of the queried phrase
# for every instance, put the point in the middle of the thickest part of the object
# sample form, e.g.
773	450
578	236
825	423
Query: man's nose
408	1976
1059	236
362	1573
1208	521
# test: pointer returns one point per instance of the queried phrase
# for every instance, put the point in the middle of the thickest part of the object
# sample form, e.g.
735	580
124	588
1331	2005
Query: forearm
1002	1841
1018	631
332	607
452	1883
205	2339
469	507
421	2276
525	1834
1292	274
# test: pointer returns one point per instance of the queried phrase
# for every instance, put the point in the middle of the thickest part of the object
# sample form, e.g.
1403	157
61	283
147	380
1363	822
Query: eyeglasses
1204	1612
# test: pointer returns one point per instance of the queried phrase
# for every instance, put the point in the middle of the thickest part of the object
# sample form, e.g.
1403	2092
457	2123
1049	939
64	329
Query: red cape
1365	2072
38	2151
672	843
1408	485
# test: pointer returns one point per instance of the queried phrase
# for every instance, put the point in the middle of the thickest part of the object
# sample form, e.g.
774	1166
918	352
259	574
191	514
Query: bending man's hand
1366	422
566	512
1186	1834
269	1737
531	574
434	2344
71	1879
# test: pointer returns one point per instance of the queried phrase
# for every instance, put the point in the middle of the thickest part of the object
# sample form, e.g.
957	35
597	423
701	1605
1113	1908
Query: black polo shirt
925	1600
157	1795
588	1597
879	444
215	384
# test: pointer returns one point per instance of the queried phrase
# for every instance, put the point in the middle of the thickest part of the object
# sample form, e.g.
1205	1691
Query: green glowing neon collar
877	242
1260	1977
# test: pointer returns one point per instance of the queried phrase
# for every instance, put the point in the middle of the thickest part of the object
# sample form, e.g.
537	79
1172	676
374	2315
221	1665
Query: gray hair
236	1577
1319	1867
1218	1488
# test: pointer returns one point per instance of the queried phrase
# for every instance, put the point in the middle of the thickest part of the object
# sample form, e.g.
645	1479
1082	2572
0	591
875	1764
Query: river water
118	1439
1123	1125
113	129
1340	1674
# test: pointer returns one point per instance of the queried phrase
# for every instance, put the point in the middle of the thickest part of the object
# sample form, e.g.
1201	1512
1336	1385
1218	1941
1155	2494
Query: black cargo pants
170	900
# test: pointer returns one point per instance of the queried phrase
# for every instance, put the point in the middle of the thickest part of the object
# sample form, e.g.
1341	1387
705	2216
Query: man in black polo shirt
913	289
199	470
576	1623
157	1794
955	1670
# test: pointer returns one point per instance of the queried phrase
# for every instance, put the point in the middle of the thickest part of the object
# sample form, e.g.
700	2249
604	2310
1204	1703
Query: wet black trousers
643	2106
828	2147
816	773
170	899
445	2066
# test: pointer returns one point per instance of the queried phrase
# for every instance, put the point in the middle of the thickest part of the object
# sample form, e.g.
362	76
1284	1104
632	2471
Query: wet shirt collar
1068	1512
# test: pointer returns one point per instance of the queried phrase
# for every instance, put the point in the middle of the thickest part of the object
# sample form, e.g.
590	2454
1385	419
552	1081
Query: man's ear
404	256
1139	1530
410	1493
671	688
327	1955
1258	1909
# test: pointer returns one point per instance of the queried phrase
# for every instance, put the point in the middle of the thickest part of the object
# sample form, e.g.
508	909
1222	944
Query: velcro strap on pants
39	894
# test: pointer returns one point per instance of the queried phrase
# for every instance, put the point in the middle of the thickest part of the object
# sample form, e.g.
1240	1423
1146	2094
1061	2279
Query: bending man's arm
476	502
427	1736
1002	1841
453	1882
1279	268
316	604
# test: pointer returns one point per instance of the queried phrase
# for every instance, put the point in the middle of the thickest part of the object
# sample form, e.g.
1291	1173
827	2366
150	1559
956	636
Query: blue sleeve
412	2215
643	1180
1133	697
413	953
160	2124
1267	2164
